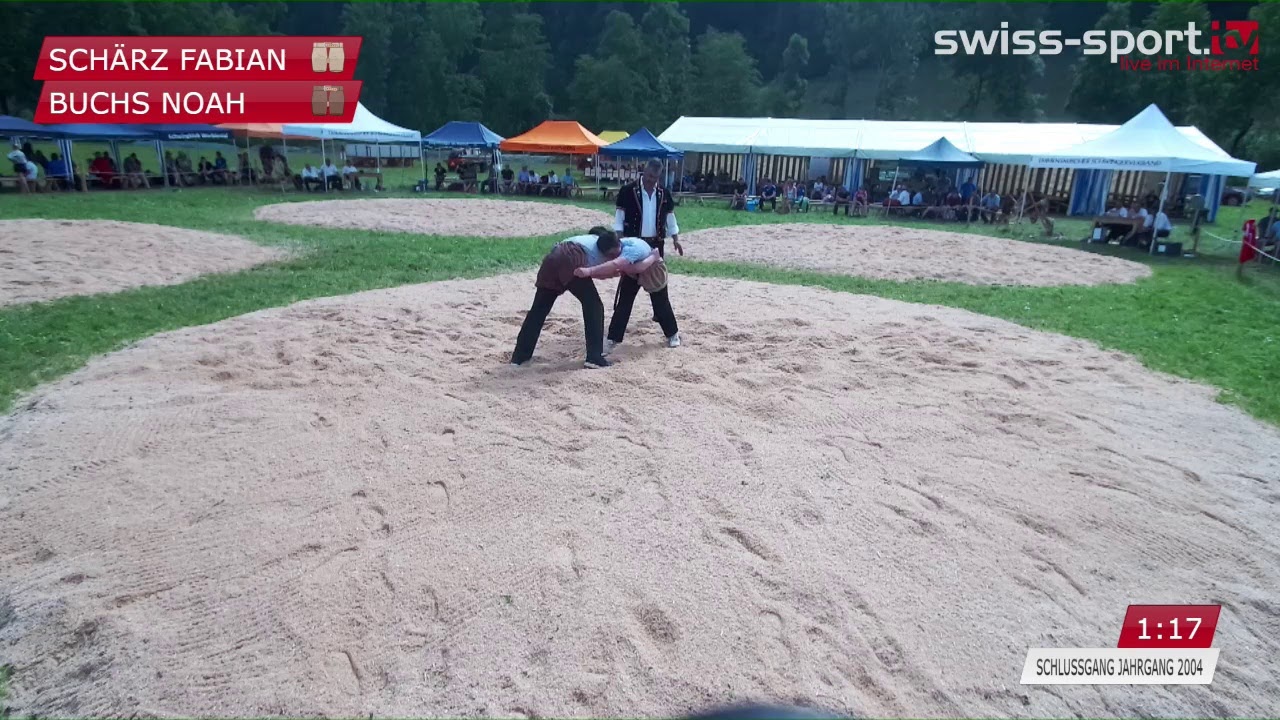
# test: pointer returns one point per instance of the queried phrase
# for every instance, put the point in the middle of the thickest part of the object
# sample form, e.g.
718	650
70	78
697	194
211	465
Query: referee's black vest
631	203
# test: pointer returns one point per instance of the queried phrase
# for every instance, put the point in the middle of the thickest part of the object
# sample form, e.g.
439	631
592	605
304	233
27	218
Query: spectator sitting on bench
440	173
918	199
205	169
100	170
248	174
862	202
842	199
798	196
220	173
29	178
351	175
508	181
553	184
18	159
58	172
820	189
739	200
134	175
990	206
332	177
183	163
525	181
567	182
769	195
309	178
1154	227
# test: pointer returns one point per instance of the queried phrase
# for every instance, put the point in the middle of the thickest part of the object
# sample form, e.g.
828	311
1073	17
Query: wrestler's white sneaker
674	341
610	346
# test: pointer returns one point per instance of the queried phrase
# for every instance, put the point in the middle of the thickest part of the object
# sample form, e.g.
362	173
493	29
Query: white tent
364	127
1266	180
712	134
993	142
1147	142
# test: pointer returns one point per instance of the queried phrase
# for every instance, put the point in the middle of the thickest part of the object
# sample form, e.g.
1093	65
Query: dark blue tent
641	143
99	132
10	125
459	134
179	133
941	153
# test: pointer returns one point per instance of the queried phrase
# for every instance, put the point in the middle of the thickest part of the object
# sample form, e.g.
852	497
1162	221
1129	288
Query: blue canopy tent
17	127
463	134
941	153
182	133
643	144
459	134
67	134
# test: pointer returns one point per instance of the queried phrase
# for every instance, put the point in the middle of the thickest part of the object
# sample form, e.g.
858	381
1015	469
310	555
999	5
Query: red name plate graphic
214	57
1169	626
198	102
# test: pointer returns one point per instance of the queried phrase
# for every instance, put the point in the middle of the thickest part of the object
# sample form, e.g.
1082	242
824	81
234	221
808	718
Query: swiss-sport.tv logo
1235	38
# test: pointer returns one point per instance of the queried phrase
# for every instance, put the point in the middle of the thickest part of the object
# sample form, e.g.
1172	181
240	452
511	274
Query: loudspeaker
1171	249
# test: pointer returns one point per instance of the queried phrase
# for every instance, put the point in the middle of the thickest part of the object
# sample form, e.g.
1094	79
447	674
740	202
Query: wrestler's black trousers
592	317
628	287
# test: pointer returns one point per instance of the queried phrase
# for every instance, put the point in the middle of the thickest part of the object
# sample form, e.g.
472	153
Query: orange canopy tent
270	131
555	137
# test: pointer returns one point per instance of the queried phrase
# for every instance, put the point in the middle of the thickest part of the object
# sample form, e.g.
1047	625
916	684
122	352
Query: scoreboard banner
198	80
1159	645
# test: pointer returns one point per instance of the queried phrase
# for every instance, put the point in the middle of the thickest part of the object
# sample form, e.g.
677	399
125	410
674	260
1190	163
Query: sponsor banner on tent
208	102
1101	163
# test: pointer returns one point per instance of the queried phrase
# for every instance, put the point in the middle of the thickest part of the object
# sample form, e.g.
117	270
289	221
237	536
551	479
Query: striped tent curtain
854	171
1211	191
749	170
64	149
1089	192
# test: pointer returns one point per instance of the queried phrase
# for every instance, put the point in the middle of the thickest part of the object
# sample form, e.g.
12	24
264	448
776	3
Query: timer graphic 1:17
1169	626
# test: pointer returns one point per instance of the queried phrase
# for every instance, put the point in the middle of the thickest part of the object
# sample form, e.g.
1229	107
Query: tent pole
893	188
323	178
164	169
1164	193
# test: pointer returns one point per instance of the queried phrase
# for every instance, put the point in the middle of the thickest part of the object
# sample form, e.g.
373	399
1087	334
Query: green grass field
1192	318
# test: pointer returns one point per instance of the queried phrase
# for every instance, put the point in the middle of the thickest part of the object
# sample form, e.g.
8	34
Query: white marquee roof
364	127
1266	179
994	142
1149	142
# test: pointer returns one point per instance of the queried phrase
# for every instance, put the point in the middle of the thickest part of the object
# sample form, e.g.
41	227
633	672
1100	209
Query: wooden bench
702	198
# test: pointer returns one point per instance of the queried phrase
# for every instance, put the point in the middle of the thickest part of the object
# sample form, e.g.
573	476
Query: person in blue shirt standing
967	189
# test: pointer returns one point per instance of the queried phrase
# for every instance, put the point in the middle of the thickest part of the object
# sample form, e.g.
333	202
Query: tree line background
624	65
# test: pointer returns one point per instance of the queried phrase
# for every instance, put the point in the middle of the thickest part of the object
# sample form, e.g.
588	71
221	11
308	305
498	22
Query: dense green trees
622	65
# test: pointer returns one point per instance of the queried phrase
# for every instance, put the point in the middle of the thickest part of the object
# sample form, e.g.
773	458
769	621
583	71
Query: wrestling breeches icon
328	100
328	56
